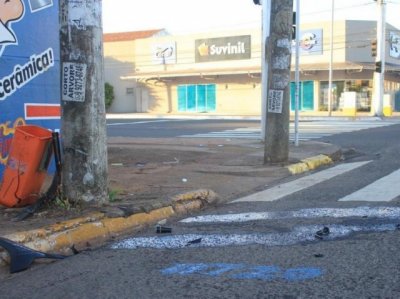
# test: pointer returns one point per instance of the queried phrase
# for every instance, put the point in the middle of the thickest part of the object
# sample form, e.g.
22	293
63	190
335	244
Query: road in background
223	128
323	239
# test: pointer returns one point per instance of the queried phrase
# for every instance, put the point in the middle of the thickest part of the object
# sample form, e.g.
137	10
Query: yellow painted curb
121	225
298	168
193	201
202	194
317	161
95	228
309	164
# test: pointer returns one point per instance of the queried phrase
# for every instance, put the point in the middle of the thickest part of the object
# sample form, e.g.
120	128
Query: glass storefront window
363	88
337	89
196	98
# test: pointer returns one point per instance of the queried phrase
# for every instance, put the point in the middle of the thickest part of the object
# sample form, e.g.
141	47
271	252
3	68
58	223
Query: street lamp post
379	75
331	61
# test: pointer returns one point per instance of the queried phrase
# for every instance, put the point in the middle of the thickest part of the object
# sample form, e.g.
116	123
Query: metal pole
266	15
331	61
83	125
379	77
297	76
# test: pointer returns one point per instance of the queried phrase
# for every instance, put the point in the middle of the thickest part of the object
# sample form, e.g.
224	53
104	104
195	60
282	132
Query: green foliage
63	203
113	195
109	94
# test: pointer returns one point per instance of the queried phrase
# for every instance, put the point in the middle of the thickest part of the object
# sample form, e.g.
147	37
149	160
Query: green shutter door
293	96
211	98
196	98
201	98
307	95
191	98
182	98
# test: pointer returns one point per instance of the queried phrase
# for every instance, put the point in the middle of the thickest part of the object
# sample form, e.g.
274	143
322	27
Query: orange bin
26	170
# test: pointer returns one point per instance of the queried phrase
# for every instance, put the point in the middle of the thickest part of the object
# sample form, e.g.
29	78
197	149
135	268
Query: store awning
202	73
253	71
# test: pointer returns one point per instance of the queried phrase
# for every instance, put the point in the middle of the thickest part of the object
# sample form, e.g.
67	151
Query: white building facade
220	72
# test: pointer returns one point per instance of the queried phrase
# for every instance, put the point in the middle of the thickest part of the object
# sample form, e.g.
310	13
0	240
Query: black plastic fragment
21	257
163	229
321	233
195	241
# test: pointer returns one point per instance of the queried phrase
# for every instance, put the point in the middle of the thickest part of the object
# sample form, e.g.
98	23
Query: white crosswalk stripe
300	234
387	216
283	190
384	189
307	130
364	212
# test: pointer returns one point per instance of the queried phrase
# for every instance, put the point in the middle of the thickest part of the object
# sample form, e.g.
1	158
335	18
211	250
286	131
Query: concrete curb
96	229
309	164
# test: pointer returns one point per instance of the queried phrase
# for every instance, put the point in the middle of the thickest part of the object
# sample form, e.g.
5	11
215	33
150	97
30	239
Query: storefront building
219	72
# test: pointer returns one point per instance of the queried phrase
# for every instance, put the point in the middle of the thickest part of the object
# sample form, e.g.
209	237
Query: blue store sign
29	68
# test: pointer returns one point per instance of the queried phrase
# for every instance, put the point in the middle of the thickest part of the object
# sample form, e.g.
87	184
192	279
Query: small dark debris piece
74	250
196	241
398	226
317	236
321	233
163	229
318	255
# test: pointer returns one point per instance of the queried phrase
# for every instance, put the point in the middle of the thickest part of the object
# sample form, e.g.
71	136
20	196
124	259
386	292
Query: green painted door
211	98
196	98
306	96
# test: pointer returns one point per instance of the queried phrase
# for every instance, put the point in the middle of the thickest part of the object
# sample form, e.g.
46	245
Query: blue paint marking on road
259	272
222	268
243	271
185	269
300	274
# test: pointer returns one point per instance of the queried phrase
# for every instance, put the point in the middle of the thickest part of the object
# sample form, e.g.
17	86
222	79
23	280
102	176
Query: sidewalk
303	116
152	179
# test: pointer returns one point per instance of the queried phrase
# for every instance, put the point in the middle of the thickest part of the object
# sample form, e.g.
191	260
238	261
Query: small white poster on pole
73	82
275	101
394	41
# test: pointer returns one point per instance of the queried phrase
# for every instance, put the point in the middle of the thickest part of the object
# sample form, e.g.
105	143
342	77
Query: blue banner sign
29	68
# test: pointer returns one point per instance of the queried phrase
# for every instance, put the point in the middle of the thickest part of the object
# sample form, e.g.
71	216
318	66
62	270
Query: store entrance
306	96
196	98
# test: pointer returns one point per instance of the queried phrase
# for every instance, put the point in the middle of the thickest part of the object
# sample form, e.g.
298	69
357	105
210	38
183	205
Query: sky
189	16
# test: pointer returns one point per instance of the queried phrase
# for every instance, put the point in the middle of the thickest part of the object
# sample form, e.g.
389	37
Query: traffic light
378	66
373	47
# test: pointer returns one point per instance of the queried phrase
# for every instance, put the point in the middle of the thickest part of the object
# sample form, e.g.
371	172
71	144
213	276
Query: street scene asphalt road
329	233
231	128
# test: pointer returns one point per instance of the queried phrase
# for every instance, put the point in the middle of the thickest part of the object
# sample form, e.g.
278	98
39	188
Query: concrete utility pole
379	75
83	126
278	59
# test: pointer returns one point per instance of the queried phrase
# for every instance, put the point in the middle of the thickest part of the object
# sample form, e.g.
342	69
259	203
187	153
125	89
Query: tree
109	94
